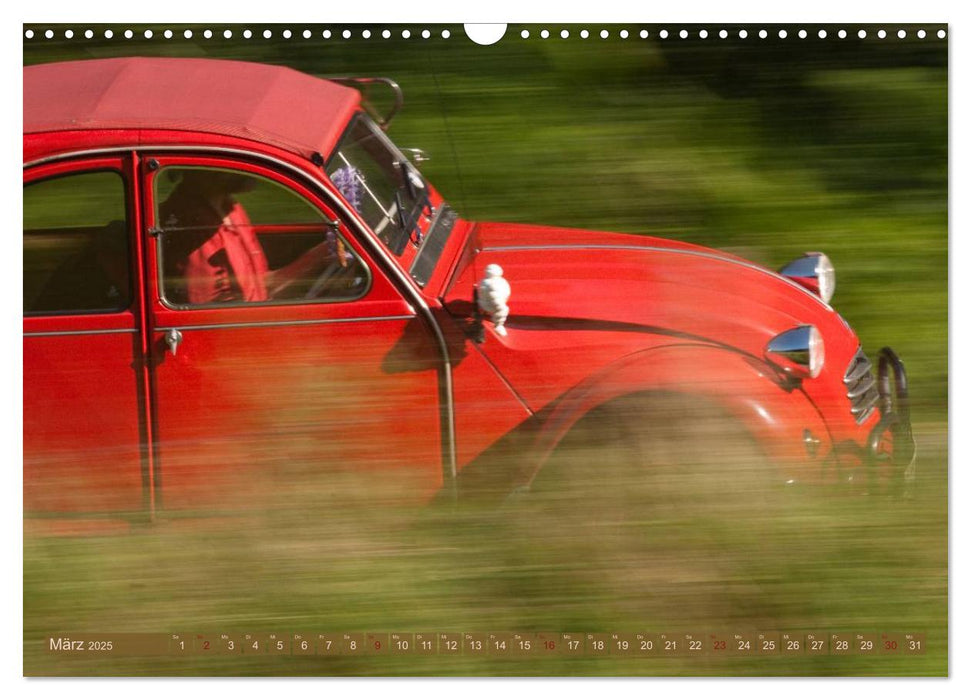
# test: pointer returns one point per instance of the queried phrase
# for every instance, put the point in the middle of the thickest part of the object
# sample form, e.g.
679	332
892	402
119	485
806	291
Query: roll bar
364	84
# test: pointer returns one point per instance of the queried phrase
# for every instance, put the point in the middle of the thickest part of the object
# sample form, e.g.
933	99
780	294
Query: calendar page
537	349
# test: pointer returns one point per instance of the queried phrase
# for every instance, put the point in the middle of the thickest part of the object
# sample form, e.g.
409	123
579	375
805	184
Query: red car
230	265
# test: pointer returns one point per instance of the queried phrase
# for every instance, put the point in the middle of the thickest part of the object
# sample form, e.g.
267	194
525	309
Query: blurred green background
765	147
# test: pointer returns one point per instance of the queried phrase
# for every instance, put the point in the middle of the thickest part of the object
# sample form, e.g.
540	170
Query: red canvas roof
275	105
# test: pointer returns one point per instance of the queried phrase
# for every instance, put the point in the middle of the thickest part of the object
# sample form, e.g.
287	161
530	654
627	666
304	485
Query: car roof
270	104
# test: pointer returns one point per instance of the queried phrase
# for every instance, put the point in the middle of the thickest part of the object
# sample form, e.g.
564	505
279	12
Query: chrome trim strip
261	324
657	249
406	285
39	334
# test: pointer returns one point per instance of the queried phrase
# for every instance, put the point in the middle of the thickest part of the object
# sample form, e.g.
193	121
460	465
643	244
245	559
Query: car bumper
890	443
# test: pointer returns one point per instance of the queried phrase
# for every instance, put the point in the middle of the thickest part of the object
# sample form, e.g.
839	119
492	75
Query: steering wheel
323	279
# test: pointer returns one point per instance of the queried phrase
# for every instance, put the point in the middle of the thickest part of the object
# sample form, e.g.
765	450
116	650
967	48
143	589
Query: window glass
230	237
76	245
385	189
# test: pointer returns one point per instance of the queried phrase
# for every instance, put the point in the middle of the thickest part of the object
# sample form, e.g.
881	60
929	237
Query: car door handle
173	336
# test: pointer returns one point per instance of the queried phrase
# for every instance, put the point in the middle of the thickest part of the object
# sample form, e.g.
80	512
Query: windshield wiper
418	193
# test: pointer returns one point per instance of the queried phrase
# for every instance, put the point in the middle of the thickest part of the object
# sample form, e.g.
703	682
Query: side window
228	237
76	245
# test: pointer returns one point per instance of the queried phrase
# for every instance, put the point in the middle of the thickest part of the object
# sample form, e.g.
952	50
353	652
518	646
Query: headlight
798	352
815	272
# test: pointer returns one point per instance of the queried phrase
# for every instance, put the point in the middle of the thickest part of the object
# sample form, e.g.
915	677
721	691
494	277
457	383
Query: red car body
115	422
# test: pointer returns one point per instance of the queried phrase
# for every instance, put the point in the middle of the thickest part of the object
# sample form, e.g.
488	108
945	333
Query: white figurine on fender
492	295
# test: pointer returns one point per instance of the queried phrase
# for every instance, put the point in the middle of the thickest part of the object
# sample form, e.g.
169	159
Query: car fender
774	411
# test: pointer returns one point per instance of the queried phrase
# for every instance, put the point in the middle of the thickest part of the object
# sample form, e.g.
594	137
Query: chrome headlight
815	272
798	352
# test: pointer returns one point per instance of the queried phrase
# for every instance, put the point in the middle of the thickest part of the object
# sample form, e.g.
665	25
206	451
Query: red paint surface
311	383
576	310
358	384
226	98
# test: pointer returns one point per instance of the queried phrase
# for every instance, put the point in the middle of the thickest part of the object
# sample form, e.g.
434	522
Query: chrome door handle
173	336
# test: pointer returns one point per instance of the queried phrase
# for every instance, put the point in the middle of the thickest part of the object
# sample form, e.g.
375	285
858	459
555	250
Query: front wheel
655	457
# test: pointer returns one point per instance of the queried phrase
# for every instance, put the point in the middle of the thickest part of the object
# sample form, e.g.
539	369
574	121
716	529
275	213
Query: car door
279	349
84	380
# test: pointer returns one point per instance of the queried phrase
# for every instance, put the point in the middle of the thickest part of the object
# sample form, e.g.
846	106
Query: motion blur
763	148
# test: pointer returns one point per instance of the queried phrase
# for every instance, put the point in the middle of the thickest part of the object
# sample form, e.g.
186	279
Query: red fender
775	414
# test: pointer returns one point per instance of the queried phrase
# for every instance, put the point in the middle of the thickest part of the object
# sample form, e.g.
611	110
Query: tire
650	458
655	509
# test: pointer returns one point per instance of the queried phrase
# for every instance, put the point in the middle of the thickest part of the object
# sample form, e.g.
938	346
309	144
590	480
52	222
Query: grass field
327	560
766	149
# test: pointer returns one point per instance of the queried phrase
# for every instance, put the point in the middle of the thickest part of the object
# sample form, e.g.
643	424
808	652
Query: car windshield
379	182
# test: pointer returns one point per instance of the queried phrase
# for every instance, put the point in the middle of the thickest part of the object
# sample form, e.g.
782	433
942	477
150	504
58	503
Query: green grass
316	558
768	150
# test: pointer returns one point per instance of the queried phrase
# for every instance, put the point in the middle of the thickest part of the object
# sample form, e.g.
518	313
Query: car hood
582	299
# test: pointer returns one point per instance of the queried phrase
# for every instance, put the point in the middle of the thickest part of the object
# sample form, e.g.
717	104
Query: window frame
406	256
42	174
177	161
